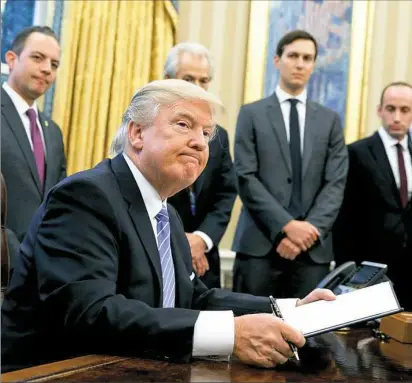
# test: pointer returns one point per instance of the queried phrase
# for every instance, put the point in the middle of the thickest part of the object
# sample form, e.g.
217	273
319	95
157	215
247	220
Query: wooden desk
354	356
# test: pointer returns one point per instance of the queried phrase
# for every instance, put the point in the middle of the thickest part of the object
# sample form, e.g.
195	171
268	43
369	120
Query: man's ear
276	60
11	58
379	111
135	134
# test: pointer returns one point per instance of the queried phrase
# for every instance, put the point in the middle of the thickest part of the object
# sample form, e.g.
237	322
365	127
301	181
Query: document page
356	306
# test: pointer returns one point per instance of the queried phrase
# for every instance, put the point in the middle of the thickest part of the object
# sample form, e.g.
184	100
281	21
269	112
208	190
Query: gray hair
148	100
196	49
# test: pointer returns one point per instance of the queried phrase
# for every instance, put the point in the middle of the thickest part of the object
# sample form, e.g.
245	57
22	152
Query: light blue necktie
166	260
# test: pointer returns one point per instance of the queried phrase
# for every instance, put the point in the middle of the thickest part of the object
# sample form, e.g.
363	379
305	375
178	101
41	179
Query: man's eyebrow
43	55
187	115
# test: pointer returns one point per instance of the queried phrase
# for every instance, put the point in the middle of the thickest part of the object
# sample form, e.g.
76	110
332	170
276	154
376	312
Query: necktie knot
399	147
31	113
293	101
163	215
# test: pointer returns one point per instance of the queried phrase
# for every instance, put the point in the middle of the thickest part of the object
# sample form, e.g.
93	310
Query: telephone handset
348	277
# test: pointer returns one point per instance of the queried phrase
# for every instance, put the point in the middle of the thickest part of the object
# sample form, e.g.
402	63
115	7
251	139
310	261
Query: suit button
289	180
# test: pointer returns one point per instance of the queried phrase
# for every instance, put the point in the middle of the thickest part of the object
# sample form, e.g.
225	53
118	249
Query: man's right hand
260	340
301	233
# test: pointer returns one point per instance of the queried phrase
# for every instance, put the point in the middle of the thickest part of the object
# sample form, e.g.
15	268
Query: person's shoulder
97	180
361	144
48	122
262	102
323	109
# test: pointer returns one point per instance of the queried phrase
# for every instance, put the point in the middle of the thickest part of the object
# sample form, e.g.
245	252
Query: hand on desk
199	259
260	340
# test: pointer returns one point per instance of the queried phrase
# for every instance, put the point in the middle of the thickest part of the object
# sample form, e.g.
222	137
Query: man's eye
183	124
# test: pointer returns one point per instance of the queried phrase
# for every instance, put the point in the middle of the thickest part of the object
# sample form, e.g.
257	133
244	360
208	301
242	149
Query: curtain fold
110	49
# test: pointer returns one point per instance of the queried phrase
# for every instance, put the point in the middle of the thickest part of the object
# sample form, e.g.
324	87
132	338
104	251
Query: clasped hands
300	236
198	248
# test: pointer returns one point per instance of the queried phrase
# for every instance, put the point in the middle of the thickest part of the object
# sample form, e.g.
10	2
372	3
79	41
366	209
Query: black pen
276	312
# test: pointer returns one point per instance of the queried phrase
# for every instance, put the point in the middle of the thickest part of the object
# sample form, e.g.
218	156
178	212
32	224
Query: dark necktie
403	189
38	149
295	206
192	198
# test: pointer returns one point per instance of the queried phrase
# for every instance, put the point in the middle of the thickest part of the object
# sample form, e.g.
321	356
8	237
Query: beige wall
391	53
222	26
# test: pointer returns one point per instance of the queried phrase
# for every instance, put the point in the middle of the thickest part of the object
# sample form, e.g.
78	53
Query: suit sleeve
77	256
224	185
327	203
349	221
264	208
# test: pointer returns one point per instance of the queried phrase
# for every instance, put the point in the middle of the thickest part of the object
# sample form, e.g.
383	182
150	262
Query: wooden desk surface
354	356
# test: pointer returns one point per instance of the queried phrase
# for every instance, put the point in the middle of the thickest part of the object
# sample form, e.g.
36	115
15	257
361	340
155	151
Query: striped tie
166	260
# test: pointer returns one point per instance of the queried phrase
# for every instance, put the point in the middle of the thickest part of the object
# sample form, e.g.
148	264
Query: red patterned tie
38	149
403	190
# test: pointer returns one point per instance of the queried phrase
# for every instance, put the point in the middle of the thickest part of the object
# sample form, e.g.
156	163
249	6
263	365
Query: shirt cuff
206	238
214	334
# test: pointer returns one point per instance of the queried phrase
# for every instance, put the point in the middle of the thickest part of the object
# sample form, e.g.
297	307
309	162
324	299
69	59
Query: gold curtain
109	49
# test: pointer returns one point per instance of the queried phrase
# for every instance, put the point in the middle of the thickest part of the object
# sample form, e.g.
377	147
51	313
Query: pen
276	312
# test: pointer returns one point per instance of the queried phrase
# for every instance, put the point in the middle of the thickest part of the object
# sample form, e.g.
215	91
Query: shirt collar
151	197
284	96
389	141
21	105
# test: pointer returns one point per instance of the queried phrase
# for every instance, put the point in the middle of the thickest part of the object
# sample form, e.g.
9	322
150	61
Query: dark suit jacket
215	191
88	278
372	224
263	168
19	168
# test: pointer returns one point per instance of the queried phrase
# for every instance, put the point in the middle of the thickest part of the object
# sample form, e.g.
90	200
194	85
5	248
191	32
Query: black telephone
348	277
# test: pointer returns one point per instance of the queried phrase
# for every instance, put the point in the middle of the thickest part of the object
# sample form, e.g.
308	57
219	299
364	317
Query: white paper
352	307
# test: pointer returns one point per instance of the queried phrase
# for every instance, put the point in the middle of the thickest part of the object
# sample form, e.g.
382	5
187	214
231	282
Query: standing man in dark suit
205	206
106	266
32	152
375	222
291	164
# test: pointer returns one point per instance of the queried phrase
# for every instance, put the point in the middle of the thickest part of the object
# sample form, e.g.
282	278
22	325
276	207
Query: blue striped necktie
166	260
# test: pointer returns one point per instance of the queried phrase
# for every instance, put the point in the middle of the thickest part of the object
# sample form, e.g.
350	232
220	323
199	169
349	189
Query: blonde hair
148	100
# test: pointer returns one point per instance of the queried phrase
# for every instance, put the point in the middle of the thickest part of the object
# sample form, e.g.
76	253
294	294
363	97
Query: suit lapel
45	125
309	135
379	154
10	113
138	214
276	118
182	276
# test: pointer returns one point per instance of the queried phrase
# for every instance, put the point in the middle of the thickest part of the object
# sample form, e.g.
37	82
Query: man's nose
300	63
397	115
46	66
199	141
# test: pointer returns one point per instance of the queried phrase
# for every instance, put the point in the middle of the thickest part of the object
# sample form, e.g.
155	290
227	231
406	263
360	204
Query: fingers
287	249
200	264
293	335
316	295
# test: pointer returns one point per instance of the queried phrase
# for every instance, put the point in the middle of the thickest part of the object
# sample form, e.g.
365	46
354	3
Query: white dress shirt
214	332
22	106
392	152
283	98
